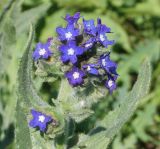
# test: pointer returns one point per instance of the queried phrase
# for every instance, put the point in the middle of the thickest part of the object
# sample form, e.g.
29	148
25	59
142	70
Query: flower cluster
78	48
78	44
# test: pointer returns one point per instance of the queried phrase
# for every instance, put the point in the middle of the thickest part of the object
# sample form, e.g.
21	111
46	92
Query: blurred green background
136	27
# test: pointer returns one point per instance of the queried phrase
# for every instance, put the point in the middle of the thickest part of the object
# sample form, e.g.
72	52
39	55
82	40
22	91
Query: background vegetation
136	27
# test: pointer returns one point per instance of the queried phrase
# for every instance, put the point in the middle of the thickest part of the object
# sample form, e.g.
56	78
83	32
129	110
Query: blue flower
110	84
40	120
89	27
68	33
89	43
42	51
91	69
70	52
72	19
103	27
108	64
101	37
75	76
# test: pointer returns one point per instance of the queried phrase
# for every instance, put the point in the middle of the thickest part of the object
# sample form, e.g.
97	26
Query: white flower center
88	25
103	62
68	35
76	75
88	68
41	118
88	45
42	51
82	103
102	37
70	51
110	83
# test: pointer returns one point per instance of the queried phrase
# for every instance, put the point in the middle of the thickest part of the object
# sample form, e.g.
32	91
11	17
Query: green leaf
5	9
144	8
23	139
7	65
26	89
49	71
31	15
99	140
80	4
128	143
77	102
8	40
22	132
148	48
144	119
69	131
142	50
114	121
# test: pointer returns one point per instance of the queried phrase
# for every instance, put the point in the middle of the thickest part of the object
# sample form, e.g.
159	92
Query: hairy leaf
148	48
26	88
114	121
77	102
22	132
31	16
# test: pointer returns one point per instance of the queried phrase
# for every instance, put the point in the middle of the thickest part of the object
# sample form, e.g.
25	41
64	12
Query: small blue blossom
70	52
108	64
40	120
91	69
72	19
68	33
101	37
42	51
89	27
89	43
103	27
75	76
110	84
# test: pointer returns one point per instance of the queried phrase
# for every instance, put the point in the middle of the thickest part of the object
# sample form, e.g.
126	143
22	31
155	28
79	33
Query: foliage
87	118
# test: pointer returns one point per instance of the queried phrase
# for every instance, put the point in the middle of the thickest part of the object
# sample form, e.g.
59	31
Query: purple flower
108	64
72	19
42	51
68	33
110	84
89	27
103	27
91	69
75	76
89	43
101	37
70	52
40	120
